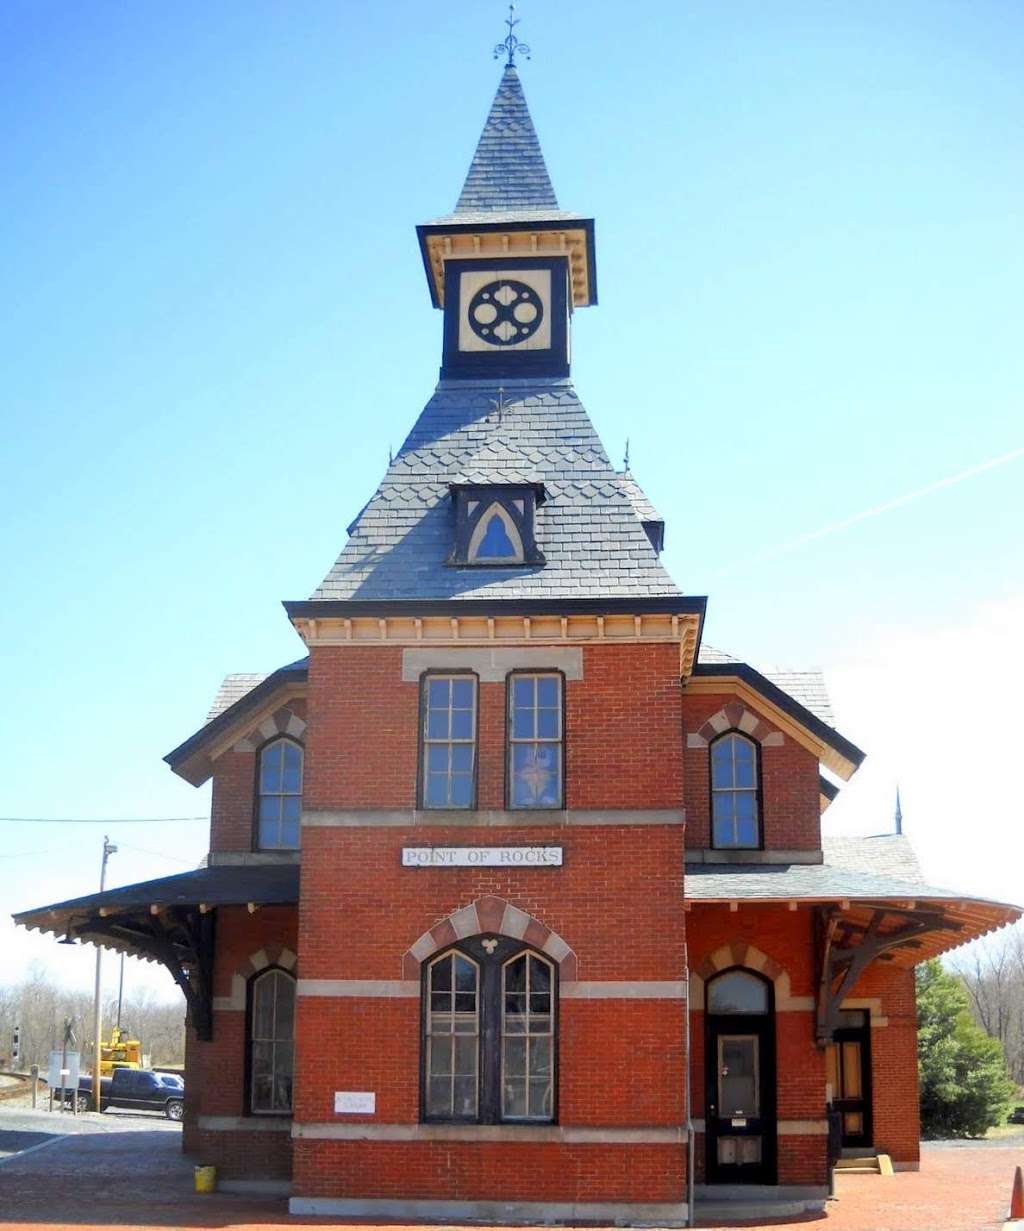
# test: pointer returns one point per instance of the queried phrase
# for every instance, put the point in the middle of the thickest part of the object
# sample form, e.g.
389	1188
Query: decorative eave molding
572	238
827	753
511	629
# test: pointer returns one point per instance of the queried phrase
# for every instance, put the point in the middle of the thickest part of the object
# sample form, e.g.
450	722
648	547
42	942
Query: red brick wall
215	1070
791	815
233	803
786	937
623	740
897	1119
469	1171
617	902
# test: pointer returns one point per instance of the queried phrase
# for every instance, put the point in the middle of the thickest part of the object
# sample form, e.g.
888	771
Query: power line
92	820
130	846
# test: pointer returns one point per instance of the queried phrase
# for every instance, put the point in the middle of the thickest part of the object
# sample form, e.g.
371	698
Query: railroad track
15	1084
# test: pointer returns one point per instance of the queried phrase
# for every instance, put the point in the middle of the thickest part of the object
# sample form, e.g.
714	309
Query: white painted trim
391	989
531	1213
612	989
245	1124
514	1133
365	818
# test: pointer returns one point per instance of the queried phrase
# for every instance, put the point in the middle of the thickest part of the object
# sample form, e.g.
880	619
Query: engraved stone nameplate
481	856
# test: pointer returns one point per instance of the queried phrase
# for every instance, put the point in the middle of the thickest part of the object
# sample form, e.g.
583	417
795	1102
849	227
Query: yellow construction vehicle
120	1052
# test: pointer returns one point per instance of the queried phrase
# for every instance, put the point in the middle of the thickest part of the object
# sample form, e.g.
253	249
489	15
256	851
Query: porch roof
860	875
273	885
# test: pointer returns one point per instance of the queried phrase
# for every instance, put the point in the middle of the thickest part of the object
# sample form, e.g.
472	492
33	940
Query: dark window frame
421	742
758	792
257	793
489	1038
510	678
250	998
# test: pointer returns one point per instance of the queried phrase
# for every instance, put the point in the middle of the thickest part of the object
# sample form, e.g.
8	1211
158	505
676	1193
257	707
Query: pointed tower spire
508	171
898	818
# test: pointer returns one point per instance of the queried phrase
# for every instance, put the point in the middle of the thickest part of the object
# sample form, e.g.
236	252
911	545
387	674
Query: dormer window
494	525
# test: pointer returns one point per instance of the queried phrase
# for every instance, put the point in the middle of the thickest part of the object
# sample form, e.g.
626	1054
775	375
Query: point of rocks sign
481	856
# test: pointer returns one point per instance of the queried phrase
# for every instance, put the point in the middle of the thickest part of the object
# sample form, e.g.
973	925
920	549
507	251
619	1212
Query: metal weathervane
511	45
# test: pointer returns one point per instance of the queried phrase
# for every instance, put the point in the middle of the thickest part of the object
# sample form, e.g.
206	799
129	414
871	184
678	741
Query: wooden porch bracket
846	948
182	939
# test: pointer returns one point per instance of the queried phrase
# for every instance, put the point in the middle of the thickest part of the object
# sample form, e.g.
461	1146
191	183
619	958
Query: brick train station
517	905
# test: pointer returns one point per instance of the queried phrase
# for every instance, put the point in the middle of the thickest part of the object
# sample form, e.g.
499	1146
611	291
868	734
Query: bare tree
39	1005
993	972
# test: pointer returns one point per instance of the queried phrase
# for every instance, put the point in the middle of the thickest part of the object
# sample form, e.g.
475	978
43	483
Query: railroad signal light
16	1047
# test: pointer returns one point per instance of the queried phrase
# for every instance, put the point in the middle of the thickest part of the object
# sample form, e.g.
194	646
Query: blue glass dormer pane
496	545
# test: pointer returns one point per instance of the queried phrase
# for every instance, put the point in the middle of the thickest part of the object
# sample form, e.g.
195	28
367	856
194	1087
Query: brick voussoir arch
262	959
494	915
281	722
749	957
734	717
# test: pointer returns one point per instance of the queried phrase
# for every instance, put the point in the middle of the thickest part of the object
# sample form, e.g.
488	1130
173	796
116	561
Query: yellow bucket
206	1179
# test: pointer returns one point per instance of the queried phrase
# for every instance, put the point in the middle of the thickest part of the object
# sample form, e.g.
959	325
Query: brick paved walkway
137	1178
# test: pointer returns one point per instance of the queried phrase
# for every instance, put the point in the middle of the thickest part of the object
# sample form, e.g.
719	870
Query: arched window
735	814
489	1021
271	1041
279	804
452	1038
736	991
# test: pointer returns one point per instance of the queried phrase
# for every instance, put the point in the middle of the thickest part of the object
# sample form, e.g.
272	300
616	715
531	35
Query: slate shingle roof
807	686
508	170
884	866
233	688
587	527
638	498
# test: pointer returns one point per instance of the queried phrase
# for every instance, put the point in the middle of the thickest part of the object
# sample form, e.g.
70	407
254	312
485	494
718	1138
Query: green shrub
965	1087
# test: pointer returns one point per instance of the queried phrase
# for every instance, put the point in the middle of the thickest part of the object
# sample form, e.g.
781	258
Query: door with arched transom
740	1128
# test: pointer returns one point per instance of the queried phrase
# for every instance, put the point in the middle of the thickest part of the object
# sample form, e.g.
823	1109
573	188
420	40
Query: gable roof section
508	171
593	541
838	754
232	707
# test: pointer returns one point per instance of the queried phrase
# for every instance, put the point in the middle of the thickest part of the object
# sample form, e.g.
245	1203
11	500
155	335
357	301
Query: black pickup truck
136	1090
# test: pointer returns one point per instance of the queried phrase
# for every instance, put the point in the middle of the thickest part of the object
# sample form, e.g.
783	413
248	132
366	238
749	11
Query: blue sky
215	322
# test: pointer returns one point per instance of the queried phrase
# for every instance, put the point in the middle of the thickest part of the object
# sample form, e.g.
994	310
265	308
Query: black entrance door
740	1127
848	1060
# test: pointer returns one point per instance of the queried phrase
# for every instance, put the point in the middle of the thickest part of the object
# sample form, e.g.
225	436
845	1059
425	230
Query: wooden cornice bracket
182	940
841	964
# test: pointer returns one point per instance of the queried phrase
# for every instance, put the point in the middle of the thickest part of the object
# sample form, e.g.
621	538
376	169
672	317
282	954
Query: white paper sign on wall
355	1102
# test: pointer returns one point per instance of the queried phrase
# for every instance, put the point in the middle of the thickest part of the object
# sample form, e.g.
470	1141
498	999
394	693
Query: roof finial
499	404
510	43
899	812
625	459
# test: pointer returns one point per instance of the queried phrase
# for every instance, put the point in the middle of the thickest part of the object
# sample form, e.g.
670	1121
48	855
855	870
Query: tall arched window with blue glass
279	803
735	793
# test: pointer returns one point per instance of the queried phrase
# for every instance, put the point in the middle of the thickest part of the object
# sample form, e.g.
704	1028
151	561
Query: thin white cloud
811	536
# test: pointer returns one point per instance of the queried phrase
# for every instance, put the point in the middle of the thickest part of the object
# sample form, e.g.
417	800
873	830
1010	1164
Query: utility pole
120	993
97	1009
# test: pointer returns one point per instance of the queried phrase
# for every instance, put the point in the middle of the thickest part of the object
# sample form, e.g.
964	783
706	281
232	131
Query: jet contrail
833	527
